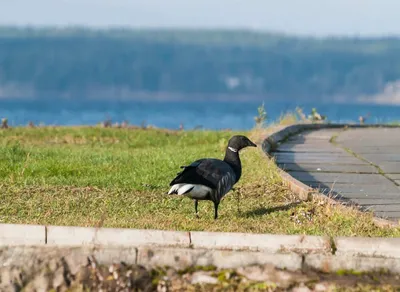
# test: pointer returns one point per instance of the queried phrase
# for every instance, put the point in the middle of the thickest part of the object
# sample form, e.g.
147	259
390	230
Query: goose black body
209	178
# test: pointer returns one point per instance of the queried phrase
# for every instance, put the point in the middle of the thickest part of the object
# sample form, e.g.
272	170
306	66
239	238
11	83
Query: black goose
209	178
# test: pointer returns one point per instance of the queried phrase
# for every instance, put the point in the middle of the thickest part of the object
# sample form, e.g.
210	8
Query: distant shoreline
78	63
379	100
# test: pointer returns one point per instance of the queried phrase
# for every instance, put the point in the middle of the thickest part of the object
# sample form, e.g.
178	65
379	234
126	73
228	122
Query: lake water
208	115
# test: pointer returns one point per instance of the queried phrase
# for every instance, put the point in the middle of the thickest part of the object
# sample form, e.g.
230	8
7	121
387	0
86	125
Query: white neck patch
232	149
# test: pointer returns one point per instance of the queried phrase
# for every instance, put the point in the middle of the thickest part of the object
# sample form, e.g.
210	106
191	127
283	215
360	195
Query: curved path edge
302	190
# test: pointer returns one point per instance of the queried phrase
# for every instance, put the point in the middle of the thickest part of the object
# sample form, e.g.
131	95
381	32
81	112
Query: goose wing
213	173
224	185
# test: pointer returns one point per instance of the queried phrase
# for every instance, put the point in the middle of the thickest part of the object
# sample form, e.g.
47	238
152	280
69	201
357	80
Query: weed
261	118
301	115
315	116
4	123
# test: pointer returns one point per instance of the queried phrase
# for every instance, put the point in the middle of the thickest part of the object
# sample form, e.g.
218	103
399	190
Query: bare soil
57	275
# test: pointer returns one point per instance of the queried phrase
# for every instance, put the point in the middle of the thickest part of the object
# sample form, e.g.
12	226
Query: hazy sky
312	17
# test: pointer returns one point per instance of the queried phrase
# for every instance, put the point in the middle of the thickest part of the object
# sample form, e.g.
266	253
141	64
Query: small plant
362	119
107	123
124	124
261	117
315	116
300	113
4	123
288	118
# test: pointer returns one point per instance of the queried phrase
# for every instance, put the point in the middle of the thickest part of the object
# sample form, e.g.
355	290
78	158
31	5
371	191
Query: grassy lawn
119	178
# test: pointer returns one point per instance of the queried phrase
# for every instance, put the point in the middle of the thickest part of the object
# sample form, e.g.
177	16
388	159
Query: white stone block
365	246
19	234
261	242
181	258
335	263
71	236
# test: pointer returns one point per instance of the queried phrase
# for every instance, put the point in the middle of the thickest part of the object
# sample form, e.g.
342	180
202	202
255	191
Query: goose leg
196	203
216	210
238	202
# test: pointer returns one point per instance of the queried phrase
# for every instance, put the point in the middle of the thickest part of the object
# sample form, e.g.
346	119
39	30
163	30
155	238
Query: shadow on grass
265	211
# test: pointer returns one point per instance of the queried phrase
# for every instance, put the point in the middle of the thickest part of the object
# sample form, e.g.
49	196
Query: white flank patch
174	188
198	191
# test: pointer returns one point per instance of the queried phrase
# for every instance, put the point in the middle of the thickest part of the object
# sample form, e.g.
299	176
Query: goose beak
252	144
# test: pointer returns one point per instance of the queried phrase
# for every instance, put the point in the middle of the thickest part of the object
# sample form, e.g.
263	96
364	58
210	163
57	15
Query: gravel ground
57	275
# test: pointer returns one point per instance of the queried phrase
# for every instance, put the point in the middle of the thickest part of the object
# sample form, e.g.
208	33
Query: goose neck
233	159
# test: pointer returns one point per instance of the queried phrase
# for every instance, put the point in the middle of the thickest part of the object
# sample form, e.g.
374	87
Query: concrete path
355	165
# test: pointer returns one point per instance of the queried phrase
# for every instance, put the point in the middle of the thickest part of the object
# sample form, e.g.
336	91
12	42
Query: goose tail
181	189
174	189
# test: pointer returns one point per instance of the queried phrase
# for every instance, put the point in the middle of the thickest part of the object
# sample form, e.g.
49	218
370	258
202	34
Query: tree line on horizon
78	61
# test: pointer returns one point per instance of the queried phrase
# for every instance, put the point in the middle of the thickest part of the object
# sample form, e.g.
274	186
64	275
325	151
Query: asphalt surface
359	166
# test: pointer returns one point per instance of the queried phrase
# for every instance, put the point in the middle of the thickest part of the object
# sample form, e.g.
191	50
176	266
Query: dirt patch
60	274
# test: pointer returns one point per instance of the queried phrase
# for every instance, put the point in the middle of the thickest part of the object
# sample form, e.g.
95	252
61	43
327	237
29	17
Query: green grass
119	178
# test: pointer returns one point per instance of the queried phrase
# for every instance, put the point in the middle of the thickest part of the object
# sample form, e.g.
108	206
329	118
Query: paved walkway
356	165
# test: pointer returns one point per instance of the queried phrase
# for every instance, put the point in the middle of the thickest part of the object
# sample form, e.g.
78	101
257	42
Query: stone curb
179	258
16	234
182	258
77	236
272	243
69	236
284	132
368	247
335	263
303	191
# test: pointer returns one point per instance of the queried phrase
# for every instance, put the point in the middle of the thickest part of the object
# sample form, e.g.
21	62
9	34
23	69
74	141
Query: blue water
206	114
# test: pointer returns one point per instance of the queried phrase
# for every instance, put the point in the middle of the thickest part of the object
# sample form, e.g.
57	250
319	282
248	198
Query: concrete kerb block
333	263
261	242
179	258
71	235
30	257
266	146
76	236
111	255
295	129
304	192
182	258
271	142
18	234
269	145
369	247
